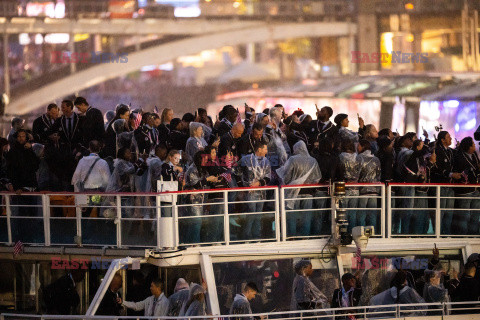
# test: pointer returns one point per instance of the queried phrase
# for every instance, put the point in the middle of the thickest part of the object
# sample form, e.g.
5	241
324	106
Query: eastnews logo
385	263
93	263
88	57
385	57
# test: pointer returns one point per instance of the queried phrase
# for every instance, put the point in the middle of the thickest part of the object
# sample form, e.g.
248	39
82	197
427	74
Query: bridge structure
216	27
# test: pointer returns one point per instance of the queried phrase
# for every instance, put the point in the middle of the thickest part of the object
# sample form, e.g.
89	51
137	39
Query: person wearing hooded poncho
256	172
399	293
305	295
369	173
341	120
277	154
178	298
195	305
196	142
122	112
241	304
196	178
433	290
301	168
350	172
122	178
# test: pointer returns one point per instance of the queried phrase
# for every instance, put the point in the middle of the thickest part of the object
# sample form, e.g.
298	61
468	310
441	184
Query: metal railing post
438	215
158	213
119	220
8	209
78	215
283	214
46	218
226	220
389	212
277	215
382	211
175	220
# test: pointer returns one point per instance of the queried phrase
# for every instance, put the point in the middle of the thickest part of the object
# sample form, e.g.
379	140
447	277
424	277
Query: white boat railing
237	215
447	310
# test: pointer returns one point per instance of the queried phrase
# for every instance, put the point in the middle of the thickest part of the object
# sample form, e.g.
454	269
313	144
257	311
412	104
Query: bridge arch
171	50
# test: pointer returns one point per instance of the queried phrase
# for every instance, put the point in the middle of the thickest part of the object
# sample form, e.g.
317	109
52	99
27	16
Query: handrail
328	313
292	215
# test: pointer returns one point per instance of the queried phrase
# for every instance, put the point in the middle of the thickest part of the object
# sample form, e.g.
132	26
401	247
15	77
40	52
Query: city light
409	6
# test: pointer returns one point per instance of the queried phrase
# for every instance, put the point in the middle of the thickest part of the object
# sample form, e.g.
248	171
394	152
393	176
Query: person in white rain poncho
196	142
301	168
122	179
399	293
256	172
195	305
277	154
305	295
125	138
180	296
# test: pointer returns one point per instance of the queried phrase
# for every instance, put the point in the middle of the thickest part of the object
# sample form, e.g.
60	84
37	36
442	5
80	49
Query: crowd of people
402	285
75	147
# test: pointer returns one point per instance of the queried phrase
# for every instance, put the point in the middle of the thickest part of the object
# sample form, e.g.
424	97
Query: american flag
138	120
18	248
227	176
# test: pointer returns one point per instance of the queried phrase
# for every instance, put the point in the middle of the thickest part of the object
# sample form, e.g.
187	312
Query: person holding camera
417	170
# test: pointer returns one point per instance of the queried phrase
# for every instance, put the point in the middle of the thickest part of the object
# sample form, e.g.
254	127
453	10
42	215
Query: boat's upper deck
399	212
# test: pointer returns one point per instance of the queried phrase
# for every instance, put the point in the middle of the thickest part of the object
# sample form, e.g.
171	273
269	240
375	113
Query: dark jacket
295	136
470	169
467	290
61	297
223	127
386	165
444	167
164	132
93	127
68	140
22	165
41	128
246	145
168	174
145	138
228	143
354	297
329	166
109	305
176	140
110	139
318	131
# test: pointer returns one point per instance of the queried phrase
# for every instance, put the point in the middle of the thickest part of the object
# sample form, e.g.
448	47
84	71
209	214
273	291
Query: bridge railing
434	311
239	215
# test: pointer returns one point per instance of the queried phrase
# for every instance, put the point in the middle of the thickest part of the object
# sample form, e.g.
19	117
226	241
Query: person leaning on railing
369	173
466	161
350	292
468	289
443	173
417	170
256	173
